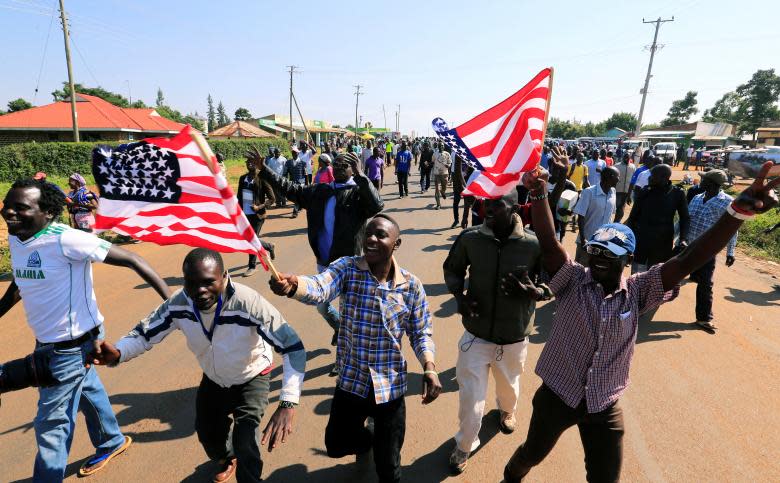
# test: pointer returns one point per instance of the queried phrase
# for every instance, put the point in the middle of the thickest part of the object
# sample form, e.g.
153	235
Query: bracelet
540	197
431	372
738	213
287	405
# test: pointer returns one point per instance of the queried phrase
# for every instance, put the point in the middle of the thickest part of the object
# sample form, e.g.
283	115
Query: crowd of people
497	270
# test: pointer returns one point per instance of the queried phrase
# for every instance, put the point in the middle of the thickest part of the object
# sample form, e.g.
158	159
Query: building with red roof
98	120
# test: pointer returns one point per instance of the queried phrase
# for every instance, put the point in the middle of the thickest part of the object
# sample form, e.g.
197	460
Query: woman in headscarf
81	203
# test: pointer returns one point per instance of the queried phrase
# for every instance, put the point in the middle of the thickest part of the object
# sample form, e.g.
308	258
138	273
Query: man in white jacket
233	331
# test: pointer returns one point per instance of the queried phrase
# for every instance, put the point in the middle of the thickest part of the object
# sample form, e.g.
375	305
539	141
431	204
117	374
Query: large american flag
162	190
504	141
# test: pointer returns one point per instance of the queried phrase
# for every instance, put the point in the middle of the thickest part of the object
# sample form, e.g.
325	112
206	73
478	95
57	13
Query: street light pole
357	97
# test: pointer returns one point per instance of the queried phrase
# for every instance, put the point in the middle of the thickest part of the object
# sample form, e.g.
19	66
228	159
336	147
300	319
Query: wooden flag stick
209	157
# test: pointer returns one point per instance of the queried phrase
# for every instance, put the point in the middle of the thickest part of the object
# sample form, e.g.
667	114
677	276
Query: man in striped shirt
585	364
380	302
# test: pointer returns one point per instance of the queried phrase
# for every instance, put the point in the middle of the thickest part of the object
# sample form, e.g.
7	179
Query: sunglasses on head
604	252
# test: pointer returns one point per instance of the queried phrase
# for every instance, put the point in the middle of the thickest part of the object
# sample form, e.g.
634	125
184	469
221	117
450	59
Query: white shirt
595	167
642	179
596	207
53	270
277	165
306	158
441	163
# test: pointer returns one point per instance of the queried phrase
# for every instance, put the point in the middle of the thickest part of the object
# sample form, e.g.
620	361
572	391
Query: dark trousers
601	434
425	179
376	183
620	202
245	403
455	206
281	201
403	183
257	224
346	433
703	278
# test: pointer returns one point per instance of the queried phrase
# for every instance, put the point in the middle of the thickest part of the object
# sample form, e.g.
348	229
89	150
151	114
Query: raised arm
122	258
536	182
758	198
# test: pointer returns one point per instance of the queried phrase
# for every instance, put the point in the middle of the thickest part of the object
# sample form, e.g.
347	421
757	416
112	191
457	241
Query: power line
84	61
43	58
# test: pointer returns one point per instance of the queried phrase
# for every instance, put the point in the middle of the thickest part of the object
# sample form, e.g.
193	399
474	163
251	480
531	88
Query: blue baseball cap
615	237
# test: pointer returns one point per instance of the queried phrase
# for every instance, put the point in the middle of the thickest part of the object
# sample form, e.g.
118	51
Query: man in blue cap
585	363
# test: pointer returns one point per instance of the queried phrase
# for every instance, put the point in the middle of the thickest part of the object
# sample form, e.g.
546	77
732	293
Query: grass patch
752	237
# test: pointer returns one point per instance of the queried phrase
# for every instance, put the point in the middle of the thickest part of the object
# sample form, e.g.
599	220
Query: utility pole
66	35
653	48
398	120
384	115
129	92
292	71
357	98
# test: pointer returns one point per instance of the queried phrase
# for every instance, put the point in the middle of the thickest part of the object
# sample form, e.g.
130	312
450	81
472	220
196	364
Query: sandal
98	462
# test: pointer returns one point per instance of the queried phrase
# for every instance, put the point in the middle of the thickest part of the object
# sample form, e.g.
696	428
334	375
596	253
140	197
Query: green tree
222	119
169	113
139	104
194	121
681	110
211	114
160	101
108	96
18	105
724	109
623	120
758	100
242	114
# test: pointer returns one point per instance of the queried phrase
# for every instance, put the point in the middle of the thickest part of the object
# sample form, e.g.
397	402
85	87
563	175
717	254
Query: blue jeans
79	389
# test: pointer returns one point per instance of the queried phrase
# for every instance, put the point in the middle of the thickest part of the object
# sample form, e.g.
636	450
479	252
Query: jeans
440	185
403	183
245	403
257	224
346	433
79	388
601	434
703	278
455	205
620	203
425	179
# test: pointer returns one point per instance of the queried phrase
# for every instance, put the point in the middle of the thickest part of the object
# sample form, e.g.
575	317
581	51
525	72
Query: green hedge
63	159
752	235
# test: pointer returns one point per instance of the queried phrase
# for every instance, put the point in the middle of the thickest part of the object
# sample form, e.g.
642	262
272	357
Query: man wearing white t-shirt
52	270
306	154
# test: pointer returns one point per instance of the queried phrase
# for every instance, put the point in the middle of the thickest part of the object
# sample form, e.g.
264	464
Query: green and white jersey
53	271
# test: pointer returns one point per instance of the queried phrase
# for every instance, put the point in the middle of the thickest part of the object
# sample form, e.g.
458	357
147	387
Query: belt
69	344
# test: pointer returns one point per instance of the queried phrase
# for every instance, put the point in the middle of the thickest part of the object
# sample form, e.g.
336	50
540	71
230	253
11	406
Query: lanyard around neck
208	333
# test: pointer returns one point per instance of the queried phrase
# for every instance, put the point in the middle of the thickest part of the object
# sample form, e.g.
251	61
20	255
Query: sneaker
707	326
507	422
438	207
335	339
227	471
272	251
334	371
454	224
250	271
458	460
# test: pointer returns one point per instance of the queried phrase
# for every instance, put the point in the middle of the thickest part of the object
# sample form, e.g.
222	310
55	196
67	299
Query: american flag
162	190
503	142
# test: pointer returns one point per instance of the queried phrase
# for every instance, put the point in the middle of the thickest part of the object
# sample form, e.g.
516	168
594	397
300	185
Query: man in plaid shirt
379	302
585	364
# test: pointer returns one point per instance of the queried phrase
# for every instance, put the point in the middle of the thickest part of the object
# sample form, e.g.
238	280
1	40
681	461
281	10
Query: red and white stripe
507	138
207	214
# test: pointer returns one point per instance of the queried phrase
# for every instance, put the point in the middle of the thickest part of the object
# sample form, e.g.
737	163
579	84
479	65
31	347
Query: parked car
666	151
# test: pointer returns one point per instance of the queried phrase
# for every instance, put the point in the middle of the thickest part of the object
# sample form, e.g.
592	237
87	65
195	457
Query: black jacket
354	205
262	195
652	218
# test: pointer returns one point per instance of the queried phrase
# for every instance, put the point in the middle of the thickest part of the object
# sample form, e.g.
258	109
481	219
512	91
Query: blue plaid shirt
705	214
374	317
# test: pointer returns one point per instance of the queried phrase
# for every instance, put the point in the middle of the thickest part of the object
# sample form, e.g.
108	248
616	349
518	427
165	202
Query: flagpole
547	111
208	156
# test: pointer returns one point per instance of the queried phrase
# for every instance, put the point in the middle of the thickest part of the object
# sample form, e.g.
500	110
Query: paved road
700	407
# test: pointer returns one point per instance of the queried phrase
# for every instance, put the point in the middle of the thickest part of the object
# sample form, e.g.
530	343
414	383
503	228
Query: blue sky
451	59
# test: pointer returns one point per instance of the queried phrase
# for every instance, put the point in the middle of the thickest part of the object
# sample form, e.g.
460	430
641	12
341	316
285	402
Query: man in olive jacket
497	312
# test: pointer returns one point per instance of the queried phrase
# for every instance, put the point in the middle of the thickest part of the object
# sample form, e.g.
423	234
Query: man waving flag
504	141
163	191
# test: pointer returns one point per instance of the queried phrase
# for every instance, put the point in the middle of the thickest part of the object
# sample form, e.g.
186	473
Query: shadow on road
654	331
446	309
543	322
174	409
436	289
433	248
754	297
285	233
171	281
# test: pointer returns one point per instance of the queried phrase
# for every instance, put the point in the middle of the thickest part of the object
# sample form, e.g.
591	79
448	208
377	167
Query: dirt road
699	408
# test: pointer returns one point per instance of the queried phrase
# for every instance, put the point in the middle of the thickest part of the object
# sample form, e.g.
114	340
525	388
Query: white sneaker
458	460
507	422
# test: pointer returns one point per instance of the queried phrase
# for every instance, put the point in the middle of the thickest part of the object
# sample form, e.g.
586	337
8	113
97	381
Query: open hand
520	283
256	158
559	162
760	196
278	428
284	285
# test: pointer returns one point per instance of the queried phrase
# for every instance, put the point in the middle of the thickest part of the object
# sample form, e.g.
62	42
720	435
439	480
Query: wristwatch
287	405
